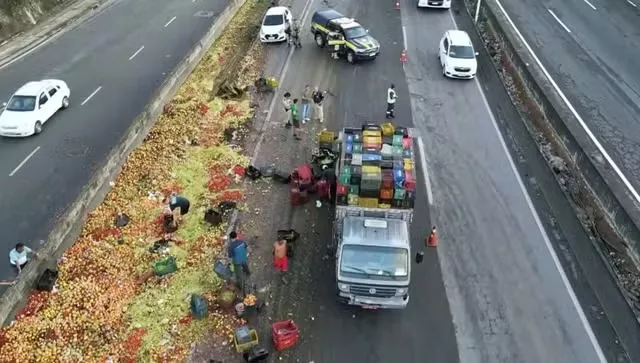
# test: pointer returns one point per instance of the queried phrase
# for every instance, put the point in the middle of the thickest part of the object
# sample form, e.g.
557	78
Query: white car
457	56
31	106
274	24
438	4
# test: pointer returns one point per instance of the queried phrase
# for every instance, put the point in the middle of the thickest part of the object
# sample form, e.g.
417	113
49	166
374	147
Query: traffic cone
432	240
403	56
397	4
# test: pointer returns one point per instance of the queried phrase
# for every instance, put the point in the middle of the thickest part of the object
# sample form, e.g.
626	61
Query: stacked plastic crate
377	168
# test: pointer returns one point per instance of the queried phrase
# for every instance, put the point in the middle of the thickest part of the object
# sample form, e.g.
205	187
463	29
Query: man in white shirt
19	256
391	101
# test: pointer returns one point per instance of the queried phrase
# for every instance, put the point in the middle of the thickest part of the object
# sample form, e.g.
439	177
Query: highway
590	49
492	291
112	63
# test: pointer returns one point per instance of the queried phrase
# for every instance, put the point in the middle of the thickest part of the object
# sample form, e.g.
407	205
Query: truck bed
362	195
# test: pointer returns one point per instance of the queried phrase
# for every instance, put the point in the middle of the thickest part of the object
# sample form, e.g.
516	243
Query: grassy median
102	308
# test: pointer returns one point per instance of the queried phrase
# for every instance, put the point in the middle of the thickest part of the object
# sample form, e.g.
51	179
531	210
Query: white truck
375	195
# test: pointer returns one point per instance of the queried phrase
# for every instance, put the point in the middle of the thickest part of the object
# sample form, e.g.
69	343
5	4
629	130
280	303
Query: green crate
165	266
357	148
354	189
399	194
397	140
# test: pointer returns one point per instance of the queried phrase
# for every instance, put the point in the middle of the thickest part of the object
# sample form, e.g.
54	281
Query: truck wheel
319	40
351	57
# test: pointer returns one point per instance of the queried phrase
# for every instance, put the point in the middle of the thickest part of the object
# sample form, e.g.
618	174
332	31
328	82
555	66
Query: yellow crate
388	129
371	169
369	202
326	136
372	140
384	206
371	133
240	348
353	199
408	165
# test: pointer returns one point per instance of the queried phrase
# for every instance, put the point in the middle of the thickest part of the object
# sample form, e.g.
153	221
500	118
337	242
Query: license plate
371	307
372	55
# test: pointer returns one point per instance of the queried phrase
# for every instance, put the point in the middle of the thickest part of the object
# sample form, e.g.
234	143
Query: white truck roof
355	231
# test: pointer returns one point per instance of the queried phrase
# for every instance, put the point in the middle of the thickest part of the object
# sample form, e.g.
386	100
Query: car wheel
351	57
37	128
319	40
65	102
444	73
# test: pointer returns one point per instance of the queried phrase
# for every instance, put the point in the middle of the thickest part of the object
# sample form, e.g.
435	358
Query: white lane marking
170	21
404	37
91	96
632	4
136	53
276	97
532	209
559	21
593	138
24	161
425	170
404	41
590	4
283	73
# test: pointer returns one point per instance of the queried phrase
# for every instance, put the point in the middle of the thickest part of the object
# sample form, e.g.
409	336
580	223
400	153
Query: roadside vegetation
103	307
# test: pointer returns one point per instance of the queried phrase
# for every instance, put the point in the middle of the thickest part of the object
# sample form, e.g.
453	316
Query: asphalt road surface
589	48
112	63
491	292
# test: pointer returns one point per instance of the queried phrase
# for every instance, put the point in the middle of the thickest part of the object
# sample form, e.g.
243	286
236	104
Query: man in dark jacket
237	251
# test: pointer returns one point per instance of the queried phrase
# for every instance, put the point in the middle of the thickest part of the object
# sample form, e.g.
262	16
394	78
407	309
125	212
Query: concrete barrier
70	225
596	190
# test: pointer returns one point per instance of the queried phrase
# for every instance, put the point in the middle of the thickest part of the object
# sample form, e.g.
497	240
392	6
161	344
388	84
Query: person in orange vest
280	259
432	240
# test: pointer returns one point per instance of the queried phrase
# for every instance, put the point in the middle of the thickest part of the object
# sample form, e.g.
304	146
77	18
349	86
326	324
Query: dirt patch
595	220
20	15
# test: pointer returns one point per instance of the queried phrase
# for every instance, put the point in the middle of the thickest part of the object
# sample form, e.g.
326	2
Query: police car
359	44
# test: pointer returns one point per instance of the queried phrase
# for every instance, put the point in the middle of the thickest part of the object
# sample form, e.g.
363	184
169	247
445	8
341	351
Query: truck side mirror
4	104
419	257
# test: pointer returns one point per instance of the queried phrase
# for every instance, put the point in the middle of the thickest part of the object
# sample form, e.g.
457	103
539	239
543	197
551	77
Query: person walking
238	252
318	98
19	257
391	101
295	119
286	103
307	95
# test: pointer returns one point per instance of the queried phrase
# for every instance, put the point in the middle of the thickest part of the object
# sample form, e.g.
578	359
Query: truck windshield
375	261
356	32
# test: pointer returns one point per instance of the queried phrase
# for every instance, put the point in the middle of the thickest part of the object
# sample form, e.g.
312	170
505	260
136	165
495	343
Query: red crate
342	189
387	179
285	334
409	181
386	193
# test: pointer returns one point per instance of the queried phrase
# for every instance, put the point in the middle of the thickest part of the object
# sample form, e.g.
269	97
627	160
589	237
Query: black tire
65	103
37	128
320	40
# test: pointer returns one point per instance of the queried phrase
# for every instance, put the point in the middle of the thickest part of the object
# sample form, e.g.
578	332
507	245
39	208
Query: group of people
299	111
238	253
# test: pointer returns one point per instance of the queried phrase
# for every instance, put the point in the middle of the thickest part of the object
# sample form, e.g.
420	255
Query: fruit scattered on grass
103	309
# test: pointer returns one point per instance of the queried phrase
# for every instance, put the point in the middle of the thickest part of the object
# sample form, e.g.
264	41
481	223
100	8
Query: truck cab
373	262
359	44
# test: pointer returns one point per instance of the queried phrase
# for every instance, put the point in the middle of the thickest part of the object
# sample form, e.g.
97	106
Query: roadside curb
70	225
